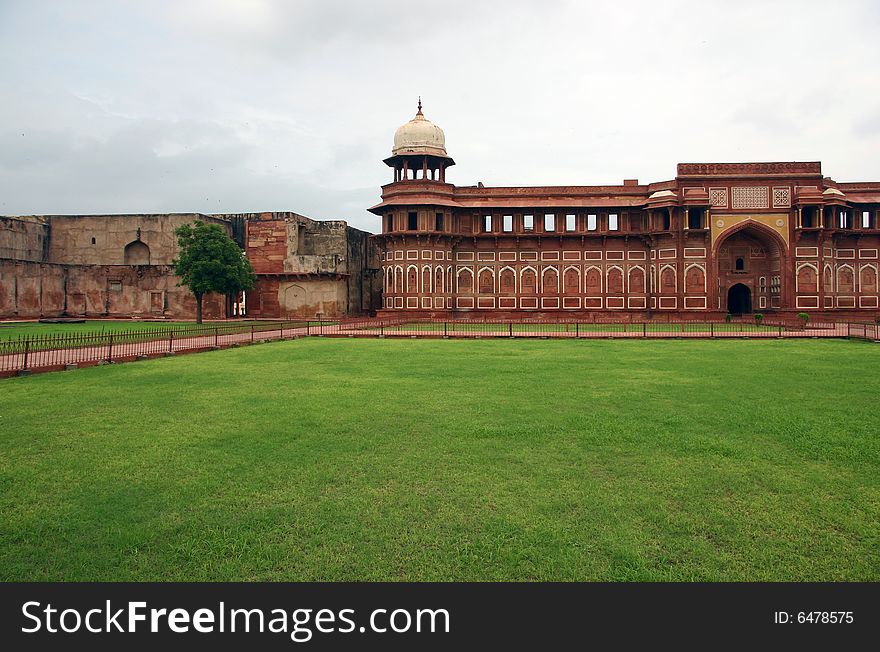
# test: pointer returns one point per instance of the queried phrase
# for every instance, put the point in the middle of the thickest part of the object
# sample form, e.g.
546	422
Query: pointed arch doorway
739	299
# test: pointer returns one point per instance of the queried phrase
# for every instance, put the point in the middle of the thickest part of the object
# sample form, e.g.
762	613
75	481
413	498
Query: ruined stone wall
119	265
266	243
29	289
23	238
306	268
102	239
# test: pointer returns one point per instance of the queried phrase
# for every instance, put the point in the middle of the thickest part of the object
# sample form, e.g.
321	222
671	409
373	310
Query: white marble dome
419	136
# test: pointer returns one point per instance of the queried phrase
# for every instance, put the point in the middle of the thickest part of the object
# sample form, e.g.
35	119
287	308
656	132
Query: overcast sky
254	105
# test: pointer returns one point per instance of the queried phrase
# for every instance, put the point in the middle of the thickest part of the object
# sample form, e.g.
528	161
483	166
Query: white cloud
239	106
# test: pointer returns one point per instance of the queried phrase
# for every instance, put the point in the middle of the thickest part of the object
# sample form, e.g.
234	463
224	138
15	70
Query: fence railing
423	327
32	352
59	351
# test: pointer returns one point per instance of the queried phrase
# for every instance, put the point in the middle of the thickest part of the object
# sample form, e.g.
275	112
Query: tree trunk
199	308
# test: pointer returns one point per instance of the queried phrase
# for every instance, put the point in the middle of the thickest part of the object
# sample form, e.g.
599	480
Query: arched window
845	280
426	280
806	279
136	253
636	280
550	281
667	280
740	264
615	281
571	281
594	282
465	280
412	281
398	280
529	282
868	281
438	281
487	282
694	280
508	281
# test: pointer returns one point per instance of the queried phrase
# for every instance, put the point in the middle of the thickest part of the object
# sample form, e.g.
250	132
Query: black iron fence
63	350
557	328
67	350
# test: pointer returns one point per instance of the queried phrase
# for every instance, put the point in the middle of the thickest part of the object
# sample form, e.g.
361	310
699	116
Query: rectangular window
487	224
612	222
115	286
829	218
807	217
569	222
412	221
508	223
389	222
549	222
844	220
438	221
666	222
592	223
528	222
866	220
695	218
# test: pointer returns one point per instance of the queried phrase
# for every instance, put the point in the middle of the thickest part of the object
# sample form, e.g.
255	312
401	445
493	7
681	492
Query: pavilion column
425	167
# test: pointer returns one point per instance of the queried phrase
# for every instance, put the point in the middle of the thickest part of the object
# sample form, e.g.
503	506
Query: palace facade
718	238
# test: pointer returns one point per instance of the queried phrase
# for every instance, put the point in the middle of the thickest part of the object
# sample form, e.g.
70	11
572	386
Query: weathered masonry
718	238
120	265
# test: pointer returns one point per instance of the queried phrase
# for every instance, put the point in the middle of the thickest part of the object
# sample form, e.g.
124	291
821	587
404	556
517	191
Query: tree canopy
210	261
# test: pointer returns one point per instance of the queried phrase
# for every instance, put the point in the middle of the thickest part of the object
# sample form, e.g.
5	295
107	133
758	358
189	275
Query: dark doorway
739	299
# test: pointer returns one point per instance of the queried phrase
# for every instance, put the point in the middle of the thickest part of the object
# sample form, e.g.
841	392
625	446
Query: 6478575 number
813	617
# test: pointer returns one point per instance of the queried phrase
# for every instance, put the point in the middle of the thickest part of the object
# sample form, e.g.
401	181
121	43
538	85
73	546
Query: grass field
324	459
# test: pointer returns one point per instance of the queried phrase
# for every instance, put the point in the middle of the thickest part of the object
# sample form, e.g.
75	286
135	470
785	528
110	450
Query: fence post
510	329
110	352
780	330
170	341
444	329
711	329
215	336
252	333
308	327
644	329
27	350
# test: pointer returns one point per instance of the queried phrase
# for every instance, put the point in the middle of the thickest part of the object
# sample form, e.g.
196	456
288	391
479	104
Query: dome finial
419	112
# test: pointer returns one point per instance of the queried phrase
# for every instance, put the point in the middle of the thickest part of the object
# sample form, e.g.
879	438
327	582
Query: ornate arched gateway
750	261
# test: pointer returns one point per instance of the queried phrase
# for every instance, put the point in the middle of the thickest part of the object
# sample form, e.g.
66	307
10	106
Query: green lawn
345	459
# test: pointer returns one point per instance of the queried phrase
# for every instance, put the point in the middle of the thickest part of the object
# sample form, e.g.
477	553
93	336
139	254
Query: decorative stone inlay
750	197
718	197
781	198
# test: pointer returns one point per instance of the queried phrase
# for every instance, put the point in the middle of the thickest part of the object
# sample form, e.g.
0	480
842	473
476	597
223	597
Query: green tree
210	261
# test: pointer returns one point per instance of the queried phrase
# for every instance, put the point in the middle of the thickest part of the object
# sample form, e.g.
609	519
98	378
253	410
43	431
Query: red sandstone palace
719	238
